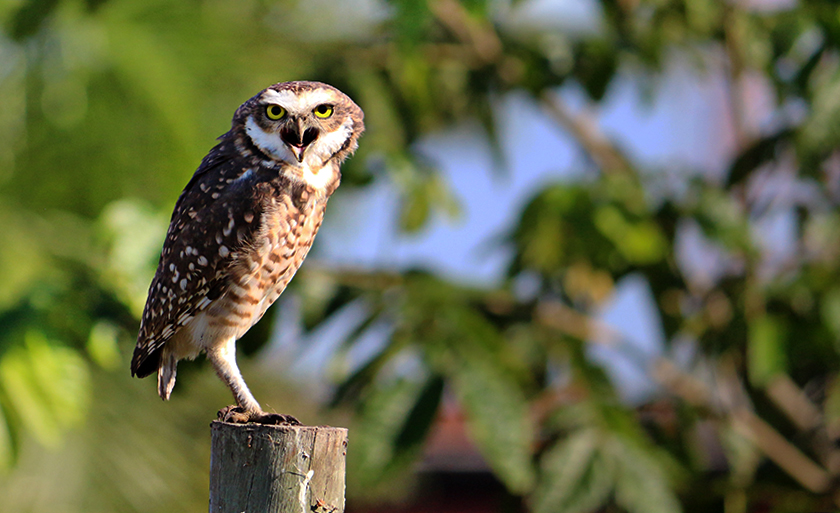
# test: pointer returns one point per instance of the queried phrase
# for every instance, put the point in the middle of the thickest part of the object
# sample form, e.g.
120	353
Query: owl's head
302	124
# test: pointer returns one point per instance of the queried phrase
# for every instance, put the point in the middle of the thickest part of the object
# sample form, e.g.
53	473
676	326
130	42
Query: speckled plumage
241	229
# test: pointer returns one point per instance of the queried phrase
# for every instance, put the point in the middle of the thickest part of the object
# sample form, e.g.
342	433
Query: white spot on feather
244	176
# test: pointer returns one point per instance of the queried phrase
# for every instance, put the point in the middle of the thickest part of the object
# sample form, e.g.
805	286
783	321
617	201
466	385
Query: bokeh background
585	259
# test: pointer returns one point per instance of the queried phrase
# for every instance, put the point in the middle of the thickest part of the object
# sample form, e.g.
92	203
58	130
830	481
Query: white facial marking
269	143
296	103
325	146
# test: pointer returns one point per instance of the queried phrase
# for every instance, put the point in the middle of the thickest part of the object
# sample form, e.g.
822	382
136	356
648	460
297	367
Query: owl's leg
223	358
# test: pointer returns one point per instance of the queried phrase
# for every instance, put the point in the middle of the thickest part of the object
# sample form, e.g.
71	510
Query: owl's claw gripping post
239	415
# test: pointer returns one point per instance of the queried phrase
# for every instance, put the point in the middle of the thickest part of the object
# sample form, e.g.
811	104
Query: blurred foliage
108	105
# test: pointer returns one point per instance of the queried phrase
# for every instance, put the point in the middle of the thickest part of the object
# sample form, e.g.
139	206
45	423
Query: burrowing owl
240	230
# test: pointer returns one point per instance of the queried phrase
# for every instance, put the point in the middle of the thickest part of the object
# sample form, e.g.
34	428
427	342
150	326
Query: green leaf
723	220
575	476
30	17
582	471
640	242
766	356
595	65
46	385
830	310
8	440
497	417
415	210
410	21
641	484
820	131
385	129
424	192
102	345
419	419
742	456
394	421
832	403
150	70
132	232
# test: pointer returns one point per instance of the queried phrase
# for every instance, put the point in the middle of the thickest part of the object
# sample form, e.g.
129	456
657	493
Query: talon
234	415
238	415
276	419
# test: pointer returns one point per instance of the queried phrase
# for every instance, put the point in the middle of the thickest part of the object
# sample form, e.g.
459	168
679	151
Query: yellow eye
323	111
275	112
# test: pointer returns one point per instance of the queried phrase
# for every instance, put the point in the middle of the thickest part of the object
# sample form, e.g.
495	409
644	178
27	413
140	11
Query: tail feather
166	375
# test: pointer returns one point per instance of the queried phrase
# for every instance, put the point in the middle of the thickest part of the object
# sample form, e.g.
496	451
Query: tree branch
586	132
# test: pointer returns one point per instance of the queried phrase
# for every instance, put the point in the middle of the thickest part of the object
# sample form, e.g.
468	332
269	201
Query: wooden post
256	468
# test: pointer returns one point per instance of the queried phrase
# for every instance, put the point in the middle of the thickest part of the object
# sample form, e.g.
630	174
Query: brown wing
216	214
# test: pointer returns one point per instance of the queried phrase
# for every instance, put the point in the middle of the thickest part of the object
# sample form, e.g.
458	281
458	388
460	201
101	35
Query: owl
241	229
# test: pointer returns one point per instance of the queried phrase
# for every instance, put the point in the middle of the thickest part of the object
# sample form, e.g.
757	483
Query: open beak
298	139
298	151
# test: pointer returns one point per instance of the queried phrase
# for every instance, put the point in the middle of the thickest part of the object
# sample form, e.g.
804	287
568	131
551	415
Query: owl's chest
285	239
266	264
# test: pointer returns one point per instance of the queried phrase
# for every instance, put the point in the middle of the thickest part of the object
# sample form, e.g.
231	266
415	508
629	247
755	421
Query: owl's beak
298	139
298	151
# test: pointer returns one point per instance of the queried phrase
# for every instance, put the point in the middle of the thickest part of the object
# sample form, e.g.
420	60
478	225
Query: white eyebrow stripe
299	102
278	97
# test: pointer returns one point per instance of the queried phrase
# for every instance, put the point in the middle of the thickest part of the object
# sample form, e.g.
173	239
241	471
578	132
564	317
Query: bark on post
272	469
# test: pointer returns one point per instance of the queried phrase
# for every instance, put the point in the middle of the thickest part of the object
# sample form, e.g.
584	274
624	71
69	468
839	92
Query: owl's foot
239	415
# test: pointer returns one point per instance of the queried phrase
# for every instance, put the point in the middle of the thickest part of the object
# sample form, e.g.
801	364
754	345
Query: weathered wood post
256	468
